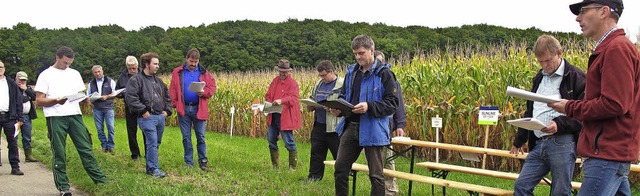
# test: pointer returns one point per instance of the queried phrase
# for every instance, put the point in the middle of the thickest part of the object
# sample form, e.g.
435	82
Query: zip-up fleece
610	111
378	89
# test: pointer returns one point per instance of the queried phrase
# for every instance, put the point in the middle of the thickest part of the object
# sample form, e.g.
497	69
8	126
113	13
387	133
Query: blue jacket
378	89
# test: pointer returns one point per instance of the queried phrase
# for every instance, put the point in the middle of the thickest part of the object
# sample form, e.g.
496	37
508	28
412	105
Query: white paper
470	156
523	94
527	123
400	138
75	97
18	126
94	96
197	86
118	91
310	102
270	108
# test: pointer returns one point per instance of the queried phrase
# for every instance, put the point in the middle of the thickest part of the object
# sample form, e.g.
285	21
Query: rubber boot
274	158
293	160
28	156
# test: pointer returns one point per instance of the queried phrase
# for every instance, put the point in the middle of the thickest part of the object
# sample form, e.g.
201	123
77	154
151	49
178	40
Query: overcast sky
547	15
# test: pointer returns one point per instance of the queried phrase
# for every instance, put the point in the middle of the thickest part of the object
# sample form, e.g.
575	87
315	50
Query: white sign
436	122
488	115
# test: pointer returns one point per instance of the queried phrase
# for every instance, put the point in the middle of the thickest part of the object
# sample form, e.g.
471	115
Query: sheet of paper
523	94
18	126
527	123
118	91
197	86
270	108
401	138
310	102
75	98
94	96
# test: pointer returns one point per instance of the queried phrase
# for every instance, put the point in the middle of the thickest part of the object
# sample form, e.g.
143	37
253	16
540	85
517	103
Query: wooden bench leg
439	174
473	193
353	188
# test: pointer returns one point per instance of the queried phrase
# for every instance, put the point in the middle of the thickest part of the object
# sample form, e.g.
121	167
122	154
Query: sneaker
17	172
157	173
65	193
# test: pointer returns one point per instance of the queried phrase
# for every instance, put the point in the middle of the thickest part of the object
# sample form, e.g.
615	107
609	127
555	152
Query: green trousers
75	128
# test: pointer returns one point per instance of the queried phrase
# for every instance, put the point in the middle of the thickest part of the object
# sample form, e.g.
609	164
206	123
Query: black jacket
122	81
139	96
571	88
29	96
15	100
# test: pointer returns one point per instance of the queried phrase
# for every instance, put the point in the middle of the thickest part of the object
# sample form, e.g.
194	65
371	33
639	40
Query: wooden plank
635	167
461	148
432	180
483	172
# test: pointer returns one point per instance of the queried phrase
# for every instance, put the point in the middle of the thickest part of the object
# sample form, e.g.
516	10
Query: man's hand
311	108
361	108
164	113
400	132
61	101
23	86
104	97
516	151
200	93
277	102
552	128
146	115
334	112
559	106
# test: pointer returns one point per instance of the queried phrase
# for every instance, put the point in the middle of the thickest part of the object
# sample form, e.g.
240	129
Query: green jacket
332	121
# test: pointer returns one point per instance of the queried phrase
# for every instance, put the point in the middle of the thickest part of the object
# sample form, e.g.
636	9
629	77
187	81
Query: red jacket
175	92
610	111
289	92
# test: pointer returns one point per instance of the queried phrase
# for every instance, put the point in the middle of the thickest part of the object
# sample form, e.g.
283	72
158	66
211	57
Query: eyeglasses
583	9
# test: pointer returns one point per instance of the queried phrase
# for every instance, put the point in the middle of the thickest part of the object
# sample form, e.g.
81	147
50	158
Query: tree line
240	45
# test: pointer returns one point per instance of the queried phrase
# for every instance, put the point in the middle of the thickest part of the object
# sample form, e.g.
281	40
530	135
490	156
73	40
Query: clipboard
340	104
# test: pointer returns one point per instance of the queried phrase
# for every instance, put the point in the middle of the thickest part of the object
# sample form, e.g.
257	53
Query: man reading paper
551	149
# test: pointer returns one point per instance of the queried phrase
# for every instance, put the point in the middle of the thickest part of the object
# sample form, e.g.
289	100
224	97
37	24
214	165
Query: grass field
238	166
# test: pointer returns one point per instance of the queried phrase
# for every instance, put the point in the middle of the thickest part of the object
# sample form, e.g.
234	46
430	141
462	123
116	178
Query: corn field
451	83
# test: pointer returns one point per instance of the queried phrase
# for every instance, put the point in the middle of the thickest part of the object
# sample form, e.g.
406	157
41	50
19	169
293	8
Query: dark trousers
132	133
321	141
348	153
8	126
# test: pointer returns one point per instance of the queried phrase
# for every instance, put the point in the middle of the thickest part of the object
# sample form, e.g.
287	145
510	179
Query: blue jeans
603	177
199	127
100	116
287	137
555	154
152	128
26	132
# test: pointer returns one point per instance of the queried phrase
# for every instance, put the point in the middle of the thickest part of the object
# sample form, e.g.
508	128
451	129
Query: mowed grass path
238	166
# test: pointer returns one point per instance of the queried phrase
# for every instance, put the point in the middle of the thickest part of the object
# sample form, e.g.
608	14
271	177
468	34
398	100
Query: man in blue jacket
371	88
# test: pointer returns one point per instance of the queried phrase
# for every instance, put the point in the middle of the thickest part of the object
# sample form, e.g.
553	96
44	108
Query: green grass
238	166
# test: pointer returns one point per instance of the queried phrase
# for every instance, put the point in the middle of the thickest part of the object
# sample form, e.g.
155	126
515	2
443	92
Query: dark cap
615	5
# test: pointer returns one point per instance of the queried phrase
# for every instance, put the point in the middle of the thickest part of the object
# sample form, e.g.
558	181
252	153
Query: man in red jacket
610	111
284	91
192	106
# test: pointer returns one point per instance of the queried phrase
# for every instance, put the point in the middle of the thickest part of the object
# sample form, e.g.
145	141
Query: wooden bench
473	189
483	172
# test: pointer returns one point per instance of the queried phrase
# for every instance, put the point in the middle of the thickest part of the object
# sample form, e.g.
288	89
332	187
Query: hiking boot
65	193
293	160
28	156
17	172
157	173
203	165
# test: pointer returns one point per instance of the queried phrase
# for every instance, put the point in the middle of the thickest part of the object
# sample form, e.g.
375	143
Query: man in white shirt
65	117
10	113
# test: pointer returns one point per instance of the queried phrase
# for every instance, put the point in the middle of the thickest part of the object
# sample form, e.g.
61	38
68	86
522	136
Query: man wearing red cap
610	136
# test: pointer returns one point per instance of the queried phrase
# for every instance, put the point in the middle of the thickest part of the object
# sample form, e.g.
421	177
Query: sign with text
436	122
488	115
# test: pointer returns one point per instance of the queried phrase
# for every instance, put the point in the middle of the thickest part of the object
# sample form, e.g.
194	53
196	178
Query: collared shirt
98	84
323	91
4	92
188	77
550	87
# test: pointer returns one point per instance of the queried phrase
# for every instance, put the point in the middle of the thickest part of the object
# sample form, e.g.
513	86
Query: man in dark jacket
148	97
28	114
553	148
131	118
10	113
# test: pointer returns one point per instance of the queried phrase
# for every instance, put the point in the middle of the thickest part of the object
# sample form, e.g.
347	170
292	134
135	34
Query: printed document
310	102
523	94
527	123
197	86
